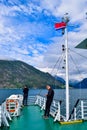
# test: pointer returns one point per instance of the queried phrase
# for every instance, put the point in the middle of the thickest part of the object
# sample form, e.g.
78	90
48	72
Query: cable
76	66
78	54
78	72
59	65
59	60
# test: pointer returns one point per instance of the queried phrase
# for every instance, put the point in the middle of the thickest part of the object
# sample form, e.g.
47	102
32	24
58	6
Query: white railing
6	115
55	107
80	110
0	116
31	100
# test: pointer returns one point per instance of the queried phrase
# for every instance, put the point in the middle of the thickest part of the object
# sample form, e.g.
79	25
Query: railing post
58	113
82	110
37	98
44	102
0	116
3	115
59	110
75	113
54	103
7	114
40	100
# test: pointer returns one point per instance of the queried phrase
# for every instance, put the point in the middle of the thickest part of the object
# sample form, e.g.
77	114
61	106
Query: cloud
13	8
75	9
27	32
77	64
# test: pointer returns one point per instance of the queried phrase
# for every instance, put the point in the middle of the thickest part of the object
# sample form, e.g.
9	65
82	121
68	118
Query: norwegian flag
61	25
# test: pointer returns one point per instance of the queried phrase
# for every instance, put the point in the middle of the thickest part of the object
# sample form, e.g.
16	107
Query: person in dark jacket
49	100
25	94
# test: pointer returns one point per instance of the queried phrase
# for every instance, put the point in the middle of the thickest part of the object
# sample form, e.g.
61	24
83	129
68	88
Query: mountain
14	74
73	82
81	84
60	79
63	82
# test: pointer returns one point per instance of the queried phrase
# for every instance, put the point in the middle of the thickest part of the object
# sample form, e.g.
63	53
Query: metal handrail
80	109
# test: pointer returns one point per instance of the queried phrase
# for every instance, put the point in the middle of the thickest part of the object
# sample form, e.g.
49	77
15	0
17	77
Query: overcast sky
27	33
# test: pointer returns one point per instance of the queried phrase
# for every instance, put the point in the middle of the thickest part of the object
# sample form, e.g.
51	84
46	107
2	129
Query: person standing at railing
25	95
49	100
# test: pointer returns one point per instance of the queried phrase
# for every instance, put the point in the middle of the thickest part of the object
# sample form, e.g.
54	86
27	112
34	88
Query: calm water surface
59	94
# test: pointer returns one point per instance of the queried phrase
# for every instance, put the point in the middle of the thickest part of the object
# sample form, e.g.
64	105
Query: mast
66	20
63	26
67	76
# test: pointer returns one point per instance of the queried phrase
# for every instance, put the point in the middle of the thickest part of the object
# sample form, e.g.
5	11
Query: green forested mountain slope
14	74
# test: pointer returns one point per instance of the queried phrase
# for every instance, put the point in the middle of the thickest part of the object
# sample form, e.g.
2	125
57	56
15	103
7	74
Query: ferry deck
31	118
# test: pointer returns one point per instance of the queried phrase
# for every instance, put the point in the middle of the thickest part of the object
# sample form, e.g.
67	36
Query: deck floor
31	119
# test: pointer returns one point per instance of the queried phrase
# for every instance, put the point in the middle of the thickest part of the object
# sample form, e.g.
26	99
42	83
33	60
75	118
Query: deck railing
0	116
80	110
55	107
4	115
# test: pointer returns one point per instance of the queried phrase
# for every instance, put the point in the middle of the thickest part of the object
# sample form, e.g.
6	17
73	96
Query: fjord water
59	94
27	121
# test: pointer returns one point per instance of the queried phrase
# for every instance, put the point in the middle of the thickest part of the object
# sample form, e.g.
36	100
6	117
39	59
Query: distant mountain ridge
60	79
74	83
82	84
14	74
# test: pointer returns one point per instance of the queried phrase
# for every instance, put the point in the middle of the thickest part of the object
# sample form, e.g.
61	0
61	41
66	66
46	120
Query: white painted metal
44	103
57	117
55	107
82	110
6	115
75	113
15	106
67	75
4	120
0	116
